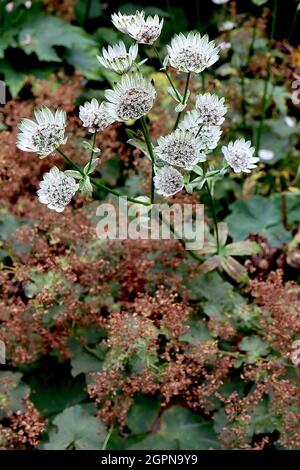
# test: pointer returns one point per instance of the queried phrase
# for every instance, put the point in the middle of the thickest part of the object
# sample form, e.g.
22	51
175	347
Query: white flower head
266	154
145	30
117	59
180	148
57	189
132	98
290	121
208	136
211	109
168	181
121	22
94	116
239	155
192	53
227	26
220	2
45	135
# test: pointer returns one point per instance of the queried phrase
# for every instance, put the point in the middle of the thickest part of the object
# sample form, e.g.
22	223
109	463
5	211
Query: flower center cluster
148	33
47	137
134	103
189	58
181	153
96	119
60	193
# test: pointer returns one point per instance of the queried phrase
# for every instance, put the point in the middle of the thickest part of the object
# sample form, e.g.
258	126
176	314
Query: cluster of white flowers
131	98
143	30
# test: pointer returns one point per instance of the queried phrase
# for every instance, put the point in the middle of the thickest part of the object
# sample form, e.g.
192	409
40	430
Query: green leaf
143	414
190	430
257	215
244	248
84	362
234	269
12	391
210	264
45	32
183	430
259	2
255	347
76	430
139	144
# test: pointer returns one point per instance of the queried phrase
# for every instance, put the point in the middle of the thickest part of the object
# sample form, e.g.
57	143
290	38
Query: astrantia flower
239	155
57	189
192	53
220	2
121	22
168	181
45	135
117	58
132	98
94	116
209	136
181	148
145	30
211	109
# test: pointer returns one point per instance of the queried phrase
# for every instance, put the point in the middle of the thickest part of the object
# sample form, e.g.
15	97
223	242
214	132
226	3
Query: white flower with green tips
117	58
132	98
94	116
192	53
145	30
45	135
211	109
122	22
209	136
239	155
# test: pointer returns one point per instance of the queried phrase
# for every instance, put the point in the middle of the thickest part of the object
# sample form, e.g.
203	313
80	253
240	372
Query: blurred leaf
255	347
76	430
234	269
143	414
257	215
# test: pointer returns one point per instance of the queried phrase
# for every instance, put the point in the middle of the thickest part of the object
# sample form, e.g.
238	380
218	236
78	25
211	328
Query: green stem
267	79
181	240
69	161
212	206
184	98
92	152
108	436
116	193
243	70
294	23
166	73
151	153
100	185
